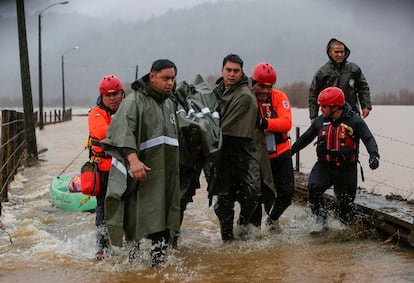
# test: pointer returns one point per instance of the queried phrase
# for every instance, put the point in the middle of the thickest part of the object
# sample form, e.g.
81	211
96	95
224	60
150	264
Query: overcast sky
379	33
113	10
130	10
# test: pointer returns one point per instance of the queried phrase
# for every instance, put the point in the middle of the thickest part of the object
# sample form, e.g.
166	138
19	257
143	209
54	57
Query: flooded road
42	243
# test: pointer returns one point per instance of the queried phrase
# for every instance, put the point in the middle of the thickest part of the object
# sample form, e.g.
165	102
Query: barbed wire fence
407	191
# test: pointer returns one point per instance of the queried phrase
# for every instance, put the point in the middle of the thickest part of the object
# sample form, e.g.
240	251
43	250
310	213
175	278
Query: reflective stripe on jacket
146	123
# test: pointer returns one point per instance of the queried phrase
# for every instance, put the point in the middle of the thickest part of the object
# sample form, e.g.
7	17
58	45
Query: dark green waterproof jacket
237	163
200	137
145	122
347	76
197	115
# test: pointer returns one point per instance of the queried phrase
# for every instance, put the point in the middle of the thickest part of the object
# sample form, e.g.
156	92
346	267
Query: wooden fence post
297	153
5	137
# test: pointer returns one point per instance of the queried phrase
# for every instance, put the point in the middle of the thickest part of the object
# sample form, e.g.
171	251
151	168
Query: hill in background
292	35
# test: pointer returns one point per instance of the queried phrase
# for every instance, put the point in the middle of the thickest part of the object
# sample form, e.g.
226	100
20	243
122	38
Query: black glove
373	161
294	148
261	122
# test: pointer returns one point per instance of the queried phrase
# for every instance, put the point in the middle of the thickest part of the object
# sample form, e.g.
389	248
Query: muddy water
42	243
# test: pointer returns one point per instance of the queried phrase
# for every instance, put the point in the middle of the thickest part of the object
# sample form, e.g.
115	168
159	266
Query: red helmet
109	84
264	74
331	96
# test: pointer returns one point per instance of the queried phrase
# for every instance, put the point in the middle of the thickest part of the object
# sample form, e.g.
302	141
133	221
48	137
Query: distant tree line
298	96
402	97
297	93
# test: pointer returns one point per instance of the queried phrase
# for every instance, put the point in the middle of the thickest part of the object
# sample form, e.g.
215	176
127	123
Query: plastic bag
74	185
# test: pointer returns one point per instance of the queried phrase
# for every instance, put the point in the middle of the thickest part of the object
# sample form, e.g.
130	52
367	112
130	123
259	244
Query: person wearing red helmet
111	93
275	119
338	131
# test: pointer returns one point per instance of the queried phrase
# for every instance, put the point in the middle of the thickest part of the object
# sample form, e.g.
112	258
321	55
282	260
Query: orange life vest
98	122
279	118
336	144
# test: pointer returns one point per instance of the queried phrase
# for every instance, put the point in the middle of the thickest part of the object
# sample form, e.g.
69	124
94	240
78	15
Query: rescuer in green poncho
236	173
143	199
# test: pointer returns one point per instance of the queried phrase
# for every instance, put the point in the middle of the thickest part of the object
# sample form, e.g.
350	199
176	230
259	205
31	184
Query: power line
392	162
393	139
99	66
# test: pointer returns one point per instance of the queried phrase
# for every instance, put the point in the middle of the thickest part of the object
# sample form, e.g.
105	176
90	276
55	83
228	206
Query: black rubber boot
158	252
321	225
224	210
226	232
133	251
102	241
345	208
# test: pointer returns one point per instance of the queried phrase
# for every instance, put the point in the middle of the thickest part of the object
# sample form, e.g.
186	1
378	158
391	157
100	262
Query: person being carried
275	118
99	117
143	198
338	131
345	75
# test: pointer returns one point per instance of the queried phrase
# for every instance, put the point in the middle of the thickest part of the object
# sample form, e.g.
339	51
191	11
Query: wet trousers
238	179
224	208
344	181
284	180
101	229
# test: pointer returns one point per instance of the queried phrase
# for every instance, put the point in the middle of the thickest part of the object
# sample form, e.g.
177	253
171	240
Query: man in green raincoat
237	171
143	198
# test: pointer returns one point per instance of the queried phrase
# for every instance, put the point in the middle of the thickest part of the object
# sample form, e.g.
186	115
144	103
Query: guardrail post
297	153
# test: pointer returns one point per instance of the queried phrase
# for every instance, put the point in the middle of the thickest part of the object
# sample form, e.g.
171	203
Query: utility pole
63	82
26	84
40	62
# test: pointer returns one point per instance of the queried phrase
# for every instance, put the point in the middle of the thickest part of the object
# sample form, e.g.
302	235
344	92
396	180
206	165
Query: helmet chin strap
332	113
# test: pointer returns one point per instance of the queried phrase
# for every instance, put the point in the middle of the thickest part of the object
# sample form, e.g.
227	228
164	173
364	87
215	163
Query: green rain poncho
146	122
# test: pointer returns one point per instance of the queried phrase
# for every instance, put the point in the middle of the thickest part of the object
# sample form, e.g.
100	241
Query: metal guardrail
13	148
53	117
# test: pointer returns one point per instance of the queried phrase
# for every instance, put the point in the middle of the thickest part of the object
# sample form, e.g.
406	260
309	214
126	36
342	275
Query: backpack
90	181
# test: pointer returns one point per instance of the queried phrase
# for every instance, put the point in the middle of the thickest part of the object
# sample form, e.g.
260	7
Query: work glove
261	122
373	161
294	148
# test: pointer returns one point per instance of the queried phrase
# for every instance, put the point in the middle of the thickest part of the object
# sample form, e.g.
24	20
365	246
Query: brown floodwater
42	243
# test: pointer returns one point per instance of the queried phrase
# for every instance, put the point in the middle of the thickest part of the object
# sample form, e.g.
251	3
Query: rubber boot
102	241
133	251
158	252
321	225
345	209
225	212
318	207
273	225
